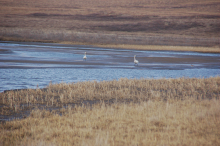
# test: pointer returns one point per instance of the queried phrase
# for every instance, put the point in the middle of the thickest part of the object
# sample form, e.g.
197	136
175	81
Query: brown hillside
154	22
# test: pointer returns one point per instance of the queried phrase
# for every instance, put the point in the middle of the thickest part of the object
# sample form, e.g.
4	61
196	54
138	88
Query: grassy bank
180	111
121	91
165	48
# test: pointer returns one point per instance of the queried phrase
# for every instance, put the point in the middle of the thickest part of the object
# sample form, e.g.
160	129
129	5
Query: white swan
135	61
84	57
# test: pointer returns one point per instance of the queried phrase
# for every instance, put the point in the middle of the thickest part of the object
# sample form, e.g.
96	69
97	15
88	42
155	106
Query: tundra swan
135	61
84	57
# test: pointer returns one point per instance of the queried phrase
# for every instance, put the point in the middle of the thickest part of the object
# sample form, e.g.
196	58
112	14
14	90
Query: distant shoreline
151	47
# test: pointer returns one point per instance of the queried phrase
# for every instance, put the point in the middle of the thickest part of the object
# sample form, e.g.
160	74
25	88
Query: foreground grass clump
123	90
174	122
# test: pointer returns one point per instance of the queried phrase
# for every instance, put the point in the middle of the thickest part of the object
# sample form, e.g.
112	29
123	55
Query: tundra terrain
141	22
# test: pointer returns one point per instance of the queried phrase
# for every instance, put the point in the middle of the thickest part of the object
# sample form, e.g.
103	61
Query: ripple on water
30	78
30	64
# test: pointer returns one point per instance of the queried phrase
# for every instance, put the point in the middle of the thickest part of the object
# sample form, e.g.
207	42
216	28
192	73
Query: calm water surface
28	65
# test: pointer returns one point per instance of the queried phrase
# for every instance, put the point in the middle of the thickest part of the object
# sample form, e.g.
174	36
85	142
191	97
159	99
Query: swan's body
84	57
135	61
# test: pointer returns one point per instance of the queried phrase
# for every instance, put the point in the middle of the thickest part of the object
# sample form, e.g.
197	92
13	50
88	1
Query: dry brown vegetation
162	48
188	122
140	22
184	111
123	90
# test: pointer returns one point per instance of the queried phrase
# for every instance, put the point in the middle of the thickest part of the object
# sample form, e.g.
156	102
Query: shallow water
28	65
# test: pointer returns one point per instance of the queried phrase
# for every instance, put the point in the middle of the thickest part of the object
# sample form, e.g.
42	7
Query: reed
174	122
122	90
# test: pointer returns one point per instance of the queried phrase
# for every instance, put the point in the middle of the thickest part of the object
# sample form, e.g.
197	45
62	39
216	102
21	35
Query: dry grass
143	22
180	111
123	90
162	48
174	122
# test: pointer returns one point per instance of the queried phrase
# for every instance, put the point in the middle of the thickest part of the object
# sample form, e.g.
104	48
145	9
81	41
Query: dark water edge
40	78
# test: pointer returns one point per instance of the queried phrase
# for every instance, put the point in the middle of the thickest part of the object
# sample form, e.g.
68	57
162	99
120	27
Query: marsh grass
122	90
183	111
174	122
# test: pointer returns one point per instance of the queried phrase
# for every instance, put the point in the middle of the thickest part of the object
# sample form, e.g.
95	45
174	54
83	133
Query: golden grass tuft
174	122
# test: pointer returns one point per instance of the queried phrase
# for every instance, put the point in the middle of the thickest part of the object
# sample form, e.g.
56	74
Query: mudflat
13	57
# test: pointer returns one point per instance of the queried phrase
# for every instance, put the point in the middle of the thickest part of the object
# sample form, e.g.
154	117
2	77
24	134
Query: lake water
28	65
